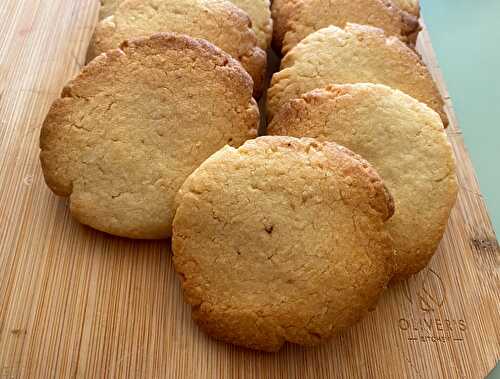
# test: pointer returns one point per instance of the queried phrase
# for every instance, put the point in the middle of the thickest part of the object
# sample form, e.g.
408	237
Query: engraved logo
427	292
430	295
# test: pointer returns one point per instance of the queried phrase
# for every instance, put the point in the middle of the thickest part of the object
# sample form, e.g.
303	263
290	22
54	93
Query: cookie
217	21
280	13
136	122
258	11
296	19
410	6
260	14
355	54
406	143
281	240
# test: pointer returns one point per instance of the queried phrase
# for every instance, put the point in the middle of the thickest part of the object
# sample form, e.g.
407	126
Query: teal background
466	37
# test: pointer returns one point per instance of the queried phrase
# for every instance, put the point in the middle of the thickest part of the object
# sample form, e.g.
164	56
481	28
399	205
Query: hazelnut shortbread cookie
282	239
258	11
296	19
355	54
280	13
404	140
260	14
136	122
410	6
217	21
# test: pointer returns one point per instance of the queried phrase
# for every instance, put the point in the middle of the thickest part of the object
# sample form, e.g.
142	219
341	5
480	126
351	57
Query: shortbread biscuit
355	54
217	21
260	14
136	122
280	13
258	11
404	140
296	19
281	240
410	6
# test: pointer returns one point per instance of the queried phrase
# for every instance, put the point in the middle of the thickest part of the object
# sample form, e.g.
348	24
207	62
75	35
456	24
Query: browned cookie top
282	240
406	143
357	53
295	19
258	11
217	21
136	122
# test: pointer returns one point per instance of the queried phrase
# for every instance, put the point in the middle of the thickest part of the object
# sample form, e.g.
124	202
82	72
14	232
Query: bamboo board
78	303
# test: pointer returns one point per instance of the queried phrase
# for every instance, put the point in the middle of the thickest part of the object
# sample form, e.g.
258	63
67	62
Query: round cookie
355	54
299	18
281	240
404	140
136	122
217	21
258	11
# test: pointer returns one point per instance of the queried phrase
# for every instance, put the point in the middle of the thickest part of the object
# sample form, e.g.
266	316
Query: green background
466	37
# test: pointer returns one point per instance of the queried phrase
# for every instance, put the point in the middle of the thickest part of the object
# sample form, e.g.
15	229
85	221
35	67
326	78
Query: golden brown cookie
404	140
258	11
355	54
280	13
296	19
136	122
217	21
410	6
281	240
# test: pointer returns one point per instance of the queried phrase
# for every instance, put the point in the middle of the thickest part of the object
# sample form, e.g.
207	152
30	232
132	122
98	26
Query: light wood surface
77	303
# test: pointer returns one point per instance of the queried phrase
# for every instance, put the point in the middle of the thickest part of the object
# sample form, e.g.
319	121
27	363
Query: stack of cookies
288	237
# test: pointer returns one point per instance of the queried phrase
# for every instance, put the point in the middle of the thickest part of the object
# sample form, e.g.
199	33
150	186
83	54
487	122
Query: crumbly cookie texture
260	14
217	21
136	122
404	140
355	54
258	11
410	6
280	13
281	240
296	19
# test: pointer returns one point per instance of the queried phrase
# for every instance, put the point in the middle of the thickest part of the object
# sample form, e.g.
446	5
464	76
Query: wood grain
77	303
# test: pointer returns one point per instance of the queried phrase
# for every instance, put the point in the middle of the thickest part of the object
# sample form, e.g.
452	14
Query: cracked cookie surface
260	14
136	122
296	19
217	21
282	239
258	11
404	140
356	54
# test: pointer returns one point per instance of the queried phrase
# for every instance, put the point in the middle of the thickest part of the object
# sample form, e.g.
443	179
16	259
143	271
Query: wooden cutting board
78	303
